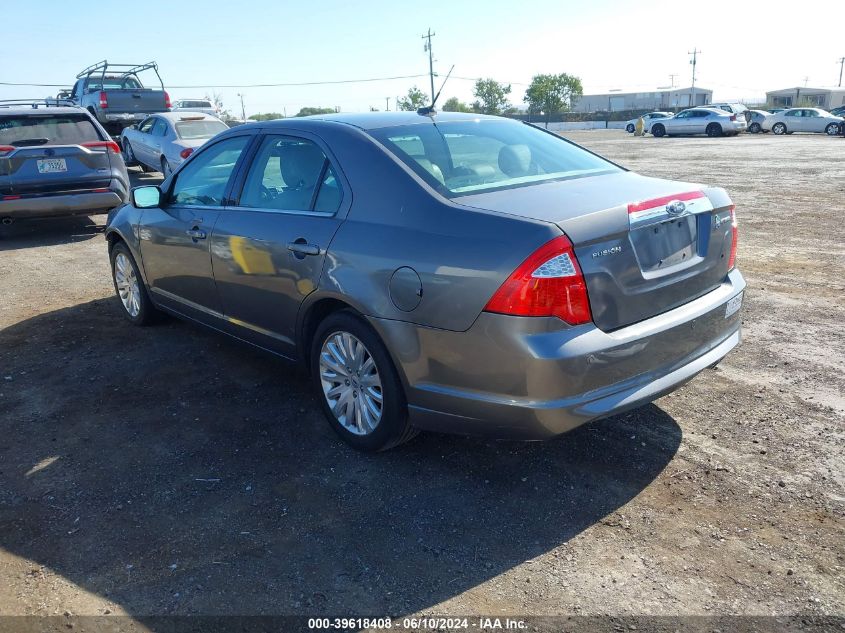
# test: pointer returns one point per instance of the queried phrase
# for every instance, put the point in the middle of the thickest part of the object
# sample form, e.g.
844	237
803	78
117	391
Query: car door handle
196	233
303	248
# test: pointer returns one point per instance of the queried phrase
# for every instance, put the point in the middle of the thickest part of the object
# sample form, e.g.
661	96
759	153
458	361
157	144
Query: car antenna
429	110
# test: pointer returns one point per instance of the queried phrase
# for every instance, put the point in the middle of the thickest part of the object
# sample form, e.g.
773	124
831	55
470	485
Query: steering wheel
265	194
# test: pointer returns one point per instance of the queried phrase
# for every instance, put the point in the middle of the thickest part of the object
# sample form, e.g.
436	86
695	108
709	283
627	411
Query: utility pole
841	61
672	80
243	111
387	104
427	47
694	52
806	79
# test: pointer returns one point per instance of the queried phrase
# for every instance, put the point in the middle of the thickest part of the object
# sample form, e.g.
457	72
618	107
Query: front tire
755	128
832	129
658	130
629	128
779	128
713	129
165	168
129	286
128	154
357	384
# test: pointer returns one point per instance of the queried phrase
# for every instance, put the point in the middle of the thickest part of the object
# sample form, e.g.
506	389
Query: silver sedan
803	120
709	121
163	141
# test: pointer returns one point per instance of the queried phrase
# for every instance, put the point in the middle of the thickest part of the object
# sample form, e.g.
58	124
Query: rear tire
755	128
832	129
713	129
658	130
779	128
347	354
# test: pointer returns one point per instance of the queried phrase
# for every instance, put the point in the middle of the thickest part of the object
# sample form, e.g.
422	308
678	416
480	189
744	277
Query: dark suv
57	160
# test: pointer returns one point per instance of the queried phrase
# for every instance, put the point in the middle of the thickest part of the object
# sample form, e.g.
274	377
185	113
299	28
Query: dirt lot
167	470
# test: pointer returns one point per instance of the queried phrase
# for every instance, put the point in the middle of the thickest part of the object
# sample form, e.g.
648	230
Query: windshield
462	157
57	129
199	129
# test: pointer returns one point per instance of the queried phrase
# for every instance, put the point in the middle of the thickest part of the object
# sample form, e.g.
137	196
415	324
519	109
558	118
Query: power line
274	85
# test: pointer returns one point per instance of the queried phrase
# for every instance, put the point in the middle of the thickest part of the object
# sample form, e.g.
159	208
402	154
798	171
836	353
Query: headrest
515	160
300	165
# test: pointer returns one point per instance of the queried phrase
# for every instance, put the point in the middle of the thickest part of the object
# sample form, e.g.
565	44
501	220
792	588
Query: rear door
139	140
47	152
268	249
174	238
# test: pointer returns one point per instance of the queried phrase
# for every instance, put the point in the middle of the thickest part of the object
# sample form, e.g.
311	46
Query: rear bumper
535	378
58	205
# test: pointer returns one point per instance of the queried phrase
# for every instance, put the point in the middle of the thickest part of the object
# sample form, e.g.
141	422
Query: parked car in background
776	110
162	142
648	119
566	288
840	111
756	118
196	105
709	121
732	107
115	96
57	161
803	120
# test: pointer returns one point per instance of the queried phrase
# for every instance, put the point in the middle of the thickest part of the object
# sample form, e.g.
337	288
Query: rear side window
44	129
464	157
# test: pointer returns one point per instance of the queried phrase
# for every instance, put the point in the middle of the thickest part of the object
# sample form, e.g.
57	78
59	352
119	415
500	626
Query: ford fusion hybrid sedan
439	271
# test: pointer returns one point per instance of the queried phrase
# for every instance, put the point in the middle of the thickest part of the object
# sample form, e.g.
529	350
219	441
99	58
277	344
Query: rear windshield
194	104
40	129
464	157
199	129
113	83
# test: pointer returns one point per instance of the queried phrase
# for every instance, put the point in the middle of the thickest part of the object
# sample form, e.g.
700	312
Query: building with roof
655	99
826	98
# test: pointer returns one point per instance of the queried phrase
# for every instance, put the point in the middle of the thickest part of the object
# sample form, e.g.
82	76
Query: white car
195	105
705	120
803	120
648	119
161	142
756	119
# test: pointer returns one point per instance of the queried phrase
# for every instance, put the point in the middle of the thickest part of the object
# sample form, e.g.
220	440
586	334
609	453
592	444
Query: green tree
267	116
551	94
452	104
308	111
491	96
413	101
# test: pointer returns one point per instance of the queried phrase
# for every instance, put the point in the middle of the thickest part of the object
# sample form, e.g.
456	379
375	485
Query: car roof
376	120
19	110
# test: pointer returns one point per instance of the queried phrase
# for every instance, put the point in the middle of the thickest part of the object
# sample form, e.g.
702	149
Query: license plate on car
733	305
52	165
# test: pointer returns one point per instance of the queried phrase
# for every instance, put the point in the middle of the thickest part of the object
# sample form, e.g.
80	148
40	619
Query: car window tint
159	128
57	129
202	182
471	156
284	175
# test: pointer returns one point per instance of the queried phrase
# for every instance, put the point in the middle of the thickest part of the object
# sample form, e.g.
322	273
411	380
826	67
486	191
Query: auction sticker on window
733	305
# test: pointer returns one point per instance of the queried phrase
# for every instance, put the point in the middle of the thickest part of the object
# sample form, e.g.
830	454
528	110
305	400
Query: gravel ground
167	470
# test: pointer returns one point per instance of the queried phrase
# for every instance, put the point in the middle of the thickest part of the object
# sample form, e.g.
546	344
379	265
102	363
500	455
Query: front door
175	237
268	249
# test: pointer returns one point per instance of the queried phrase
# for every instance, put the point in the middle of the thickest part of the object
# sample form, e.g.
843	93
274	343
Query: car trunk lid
645	246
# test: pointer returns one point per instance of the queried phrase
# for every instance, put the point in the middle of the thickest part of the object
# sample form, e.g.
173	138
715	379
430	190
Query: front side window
291	174
465	157
159	128
682	115
147	125
203	181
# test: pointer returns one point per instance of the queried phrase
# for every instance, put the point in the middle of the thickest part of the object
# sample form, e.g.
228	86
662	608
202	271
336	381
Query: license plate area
52	166
666	245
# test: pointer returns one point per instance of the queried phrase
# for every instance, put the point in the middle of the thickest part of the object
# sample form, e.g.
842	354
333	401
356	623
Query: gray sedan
709	121
449	272
803	120
163	141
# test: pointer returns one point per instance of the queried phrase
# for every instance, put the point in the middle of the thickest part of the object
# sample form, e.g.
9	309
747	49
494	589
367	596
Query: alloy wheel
128	288
351	383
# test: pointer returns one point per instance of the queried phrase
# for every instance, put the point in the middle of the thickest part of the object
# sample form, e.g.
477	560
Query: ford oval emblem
676	208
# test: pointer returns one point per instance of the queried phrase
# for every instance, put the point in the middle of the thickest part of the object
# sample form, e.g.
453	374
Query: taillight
548	283
186	152
733	117
734	238
167	100
5	149
104	100
113	147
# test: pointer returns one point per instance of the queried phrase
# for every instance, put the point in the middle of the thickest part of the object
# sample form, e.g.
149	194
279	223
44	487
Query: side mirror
146	197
